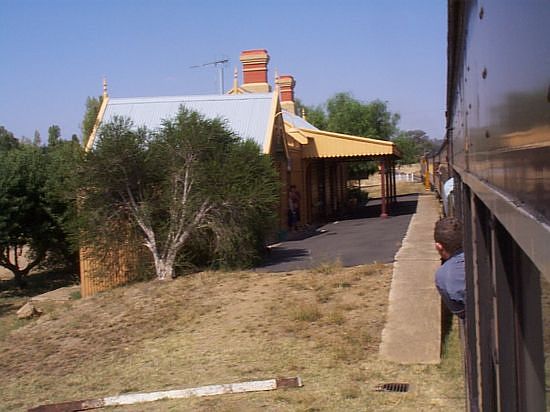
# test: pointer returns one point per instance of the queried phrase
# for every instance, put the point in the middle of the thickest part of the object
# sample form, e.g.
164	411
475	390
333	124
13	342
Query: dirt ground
323	325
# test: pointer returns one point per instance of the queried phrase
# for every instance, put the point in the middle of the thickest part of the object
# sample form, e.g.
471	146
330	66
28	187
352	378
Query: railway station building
314	161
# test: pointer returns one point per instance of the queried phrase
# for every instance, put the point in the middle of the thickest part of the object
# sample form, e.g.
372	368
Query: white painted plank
209	390
132	398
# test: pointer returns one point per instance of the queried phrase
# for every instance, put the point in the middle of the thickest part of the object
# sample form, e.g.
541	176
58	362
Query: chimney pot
255	70
286	85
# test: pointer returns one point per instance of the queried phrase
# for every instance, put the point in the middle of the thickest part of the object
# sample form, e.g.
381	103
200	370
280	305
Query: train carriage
498	135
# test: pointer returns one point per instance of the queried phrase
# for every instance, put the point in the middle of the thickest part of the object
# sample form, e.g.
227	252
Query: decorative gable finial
304	113
235	81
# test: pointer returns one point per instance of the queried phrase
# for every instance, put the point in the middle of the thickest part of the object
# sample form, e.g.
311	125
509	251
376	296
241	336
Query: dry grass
372	184
322	325
403	188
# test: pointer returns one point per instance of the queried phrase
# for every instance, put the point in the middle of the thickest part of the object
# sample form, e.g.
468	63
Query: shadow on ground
406	205
360	237
38	283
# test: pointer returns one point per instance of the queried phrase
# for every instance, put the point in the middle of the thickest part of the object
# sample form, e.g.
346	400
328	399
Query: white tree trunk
179	228
164	268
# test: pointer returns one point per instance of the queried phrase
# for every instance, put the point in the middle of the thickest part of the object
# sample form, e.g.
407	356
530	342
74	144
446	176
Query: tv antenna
218	64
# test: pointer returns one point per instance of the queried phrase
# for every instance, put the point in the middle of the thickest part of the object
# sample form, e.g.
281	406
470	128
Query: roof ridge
197	97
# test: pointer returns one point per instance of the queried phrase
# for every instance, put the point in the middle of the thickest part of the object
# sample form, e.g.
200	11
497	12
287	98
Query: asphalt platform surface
359	239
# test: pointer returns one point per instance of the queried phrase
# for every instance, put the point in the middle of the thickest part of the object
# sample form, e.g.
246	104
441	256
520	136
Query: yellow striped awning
322	144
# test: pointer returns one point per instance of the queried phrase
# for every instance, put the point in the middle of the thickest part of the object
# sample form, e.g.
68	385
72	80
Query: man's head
448	236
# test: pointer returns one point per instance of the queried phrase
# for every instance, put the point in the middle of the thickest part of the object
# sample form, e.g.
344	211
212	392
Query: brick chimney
255	71
286	86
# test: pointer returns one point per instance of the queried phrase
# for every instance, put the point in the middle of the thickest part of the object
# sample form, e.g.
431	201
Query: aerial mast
218	64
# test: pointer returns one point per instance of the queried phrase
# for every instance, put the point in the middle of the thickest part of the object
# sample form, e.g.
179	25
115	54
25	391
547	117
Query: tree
314	114
344	114
350	116
7	139
54	135
90	115
25	222
37	203
414	143
408	149
192	178
60	191
37	141
25	140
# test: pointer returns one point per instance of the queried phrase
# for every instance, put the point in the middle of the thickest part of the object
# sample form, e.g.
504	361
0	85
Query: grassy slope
210	328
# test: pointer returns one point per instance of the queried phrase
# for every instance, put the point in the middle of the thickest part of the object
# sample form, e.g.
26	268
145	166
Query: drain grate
392	387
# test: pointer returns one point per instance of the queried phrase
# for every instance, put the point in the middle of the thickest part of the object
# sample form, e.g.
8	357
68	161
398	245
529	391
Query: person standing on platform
293	208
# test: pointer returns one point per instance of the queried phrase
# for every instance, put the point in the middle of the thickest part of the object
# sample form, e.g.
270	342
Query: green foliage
54	135
7	139
314	114
362	170
192	176
35	206
350	116
344	114
37	140
247	195
24	215
356	193
408	149
90	115
413	144
61	188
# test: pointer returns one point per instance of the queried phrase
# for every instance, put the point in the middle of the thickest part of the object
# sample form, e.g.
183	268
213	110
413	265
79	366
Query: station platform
413	328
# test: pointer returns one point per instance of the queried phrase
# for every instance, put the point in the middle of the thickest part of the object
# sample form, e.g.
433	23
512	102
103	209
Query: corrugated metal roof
248	115
297	121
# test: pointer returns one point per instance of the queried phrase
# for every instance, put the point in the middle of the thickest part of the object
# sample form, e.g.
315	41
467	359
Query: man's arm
455	306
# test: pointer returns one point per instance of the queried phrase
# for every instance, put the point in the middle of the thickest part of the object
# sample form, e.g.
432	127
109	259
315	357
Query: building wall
105	268
325	189
297	178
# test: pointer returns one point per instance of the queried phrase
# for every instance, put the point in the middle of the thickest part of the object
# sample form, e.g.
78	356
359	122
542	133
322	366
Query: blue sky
56	52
